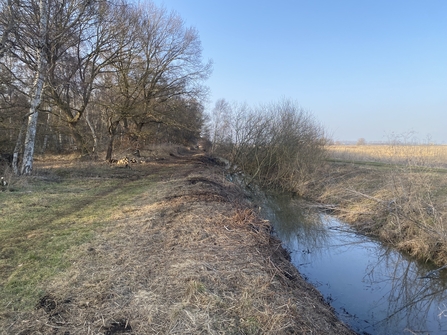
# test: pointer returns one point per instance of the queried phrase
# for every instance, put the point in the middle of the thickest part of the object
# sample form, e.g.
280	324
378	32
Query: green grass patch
41	221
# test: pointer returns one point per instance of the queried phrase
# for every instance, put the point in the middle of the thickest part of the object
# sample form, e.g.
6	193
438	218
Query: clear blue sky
364	68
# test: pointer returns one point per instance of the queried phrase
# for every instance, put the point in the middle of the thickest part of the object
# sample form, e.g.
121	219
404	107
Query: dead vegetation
186	255
401	199
393	153
278	146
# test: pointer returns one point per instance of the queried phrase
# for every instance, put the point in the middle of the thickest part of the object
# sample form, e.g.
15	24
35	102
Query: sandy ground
190	256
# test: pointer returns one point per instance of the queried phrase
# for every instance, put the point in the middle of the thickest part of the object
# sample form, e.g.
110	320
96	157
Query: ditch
373	288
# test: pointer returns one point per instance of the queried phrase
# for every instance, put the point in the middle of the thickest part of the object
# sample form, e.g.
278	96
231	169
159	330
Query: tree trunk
36	93
30	138
47	131
112	132
17	148
78	139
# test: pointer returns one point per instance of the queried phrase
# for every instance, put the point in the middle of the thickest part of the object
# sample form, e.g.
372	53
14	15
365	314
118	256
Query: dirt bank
189	256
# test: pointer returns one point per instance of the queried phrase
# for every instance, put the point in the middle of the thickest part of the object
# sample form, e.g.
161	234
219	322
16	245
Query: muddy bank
190	256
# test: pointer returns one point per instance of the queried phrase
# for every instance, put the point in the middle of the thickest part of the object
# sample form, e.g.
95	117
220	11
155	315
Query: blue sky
365	68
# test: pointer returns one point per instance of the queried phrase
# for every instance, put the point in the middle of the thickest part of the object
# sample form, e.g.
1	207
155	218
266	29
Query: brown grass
427	155
188	255
398	198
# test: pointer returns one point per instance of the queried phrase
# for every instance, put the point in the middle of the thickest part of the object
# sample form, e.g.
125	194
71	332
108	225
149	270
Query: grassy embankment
168	246
395	192
42	217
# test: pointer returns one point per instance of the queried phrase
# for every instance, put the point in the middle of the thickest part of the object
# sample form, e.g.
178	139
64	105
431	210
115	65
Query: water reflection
373	288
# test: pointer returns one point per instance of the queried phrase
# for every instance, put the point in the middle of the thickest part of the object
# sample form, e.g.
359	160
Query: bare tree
220	123
164	64
361	141
7	19
102	33
44	32
98	62
173	62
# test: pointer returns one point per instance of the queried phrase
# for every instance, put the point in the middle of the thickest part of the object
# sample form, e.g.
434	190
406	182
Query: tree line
83	74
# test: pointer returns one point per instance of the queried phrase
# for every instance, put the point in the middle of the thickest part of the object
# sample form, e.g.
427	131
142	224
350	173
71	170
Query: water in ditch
373	288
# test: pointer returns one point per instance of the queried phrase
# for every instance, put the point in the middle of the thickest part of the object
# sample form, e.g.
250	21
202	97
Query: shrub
279	146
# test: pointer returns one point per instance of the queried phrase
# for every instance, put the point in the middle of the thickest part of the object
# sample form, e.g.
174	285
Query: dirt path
190	256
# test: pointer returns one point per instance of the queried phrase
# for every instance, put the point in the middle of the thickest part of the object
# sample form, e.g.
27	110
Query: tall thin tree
37	89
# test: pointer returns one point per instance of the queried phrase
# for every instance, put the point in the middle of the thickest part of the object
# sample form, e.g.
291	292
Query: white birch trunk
36	92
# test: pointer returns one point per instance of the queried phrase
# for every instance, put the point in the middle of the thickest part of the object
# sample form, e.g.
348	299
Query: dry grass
185	254
427	155
399	196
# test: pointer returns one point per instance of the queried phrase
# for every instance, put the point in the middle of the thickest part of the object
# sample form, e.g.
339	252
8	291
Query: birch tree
125	65
46	37
36	91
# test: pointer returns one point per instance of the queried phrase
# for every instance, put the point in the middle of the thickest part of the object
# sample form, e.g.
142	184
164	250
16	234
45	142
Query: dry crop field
422	155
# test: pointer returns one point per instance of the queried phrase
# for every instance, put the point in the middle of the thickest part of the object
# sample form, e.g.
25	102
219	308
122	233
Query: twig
431	273
325	207
53	326
367	196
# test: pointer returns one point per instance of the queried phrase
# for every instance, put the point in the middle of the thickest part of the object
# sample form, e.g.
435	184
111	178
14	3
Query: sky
372	69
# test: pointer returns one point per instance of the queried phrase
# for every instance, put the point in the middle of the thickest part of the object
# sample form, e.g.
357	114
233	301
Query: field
395	192
169	246
420	155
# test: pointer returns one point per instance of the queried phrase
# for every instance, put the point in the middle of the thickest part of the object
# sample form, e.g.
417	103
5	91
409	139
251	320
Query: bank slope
187	255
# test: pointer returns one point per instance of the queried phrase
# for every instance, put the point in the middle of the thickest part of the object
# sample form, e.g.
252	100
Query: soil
191	256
